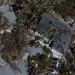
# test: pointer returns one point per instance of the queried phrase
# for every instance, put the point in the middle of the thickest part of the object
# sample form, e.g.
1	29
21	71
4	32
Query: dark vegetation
40	64
66	8
14	44
46	50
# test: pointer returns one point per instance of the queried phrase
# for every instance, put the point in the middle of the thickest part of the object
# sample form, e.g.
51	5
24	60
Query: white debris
56	54
46	39
8	30
71	20
55	72
41	43
37	34
1	32
74	41
36	65
32	61
25	56
57	64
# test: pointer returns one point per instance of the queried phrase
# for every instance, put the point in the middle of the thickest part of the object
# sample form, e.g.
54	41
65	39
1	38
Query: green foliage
37	37
46	42
37	44
52	30
15	31
46	50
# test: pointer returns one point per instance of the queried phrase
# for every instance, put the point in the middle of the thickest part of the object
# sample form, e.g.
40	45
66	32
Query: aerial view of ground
37	37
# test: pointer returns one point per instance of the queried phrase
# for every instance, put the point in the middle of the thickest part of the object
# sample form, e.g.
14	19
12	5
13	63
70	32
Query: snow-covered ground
33	50
8	14
8	71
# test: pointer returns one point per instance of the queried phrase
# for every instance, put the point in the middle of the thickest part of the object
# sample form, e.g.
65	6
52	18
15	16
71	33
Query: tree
66	8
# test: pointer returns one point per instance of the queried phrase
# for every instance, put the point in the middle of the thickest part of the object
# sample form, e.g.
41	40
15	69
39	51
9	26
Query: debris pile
15	43
41	64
